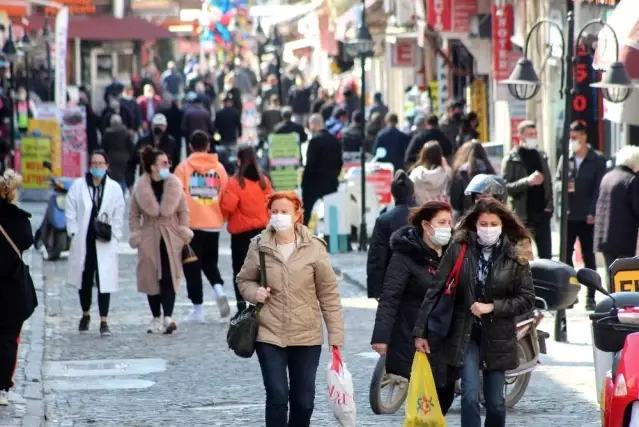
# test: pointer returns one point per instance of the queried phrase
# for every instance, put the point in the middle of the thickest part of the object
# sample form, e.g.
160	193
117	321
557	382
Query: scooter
615	332
53	231
556	287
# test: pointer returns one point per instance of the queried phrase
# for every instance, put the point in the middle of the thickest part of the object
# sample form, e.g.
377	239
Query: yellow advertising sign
51	129
626	281
34	151
478	98
434	96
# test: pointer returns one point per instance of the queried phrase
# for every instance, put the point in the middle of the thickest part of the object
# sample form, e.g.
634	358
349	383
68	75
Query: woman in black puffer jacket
417	249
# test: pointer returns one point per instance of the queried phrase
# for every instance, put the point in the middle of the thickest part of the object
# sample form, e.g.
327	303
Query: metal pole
363	238
26	79
47	47
278	74
561	326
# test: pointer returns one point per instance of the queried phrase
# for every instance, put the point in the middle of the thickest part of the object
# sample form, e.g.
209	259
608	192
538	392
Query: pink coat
150	221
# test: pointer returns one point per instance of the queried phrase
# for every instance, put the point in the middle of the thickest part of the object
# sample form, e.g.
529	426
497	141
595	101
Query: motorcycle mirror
591	279
47	165
380	153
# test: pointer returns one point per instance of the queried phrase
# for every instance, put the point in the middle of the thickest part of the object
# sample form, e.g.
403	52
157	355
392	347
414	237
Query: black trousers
309	200
206	245
539	226
9	340
586	234
239	248
165	300
89	277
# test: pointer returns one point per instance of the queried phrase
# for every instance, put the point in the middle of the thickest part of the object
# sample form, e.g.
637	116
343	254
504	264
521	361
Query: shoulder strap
453	277
13	245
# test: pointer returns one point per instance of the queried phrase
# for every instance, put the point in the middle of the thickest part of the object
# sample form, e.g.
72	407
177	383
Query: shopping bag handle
337	359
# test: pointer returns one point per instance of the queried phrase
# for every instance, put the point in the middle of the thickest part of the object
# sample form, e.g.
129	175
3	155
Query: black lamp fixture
259	33
9	49
25	44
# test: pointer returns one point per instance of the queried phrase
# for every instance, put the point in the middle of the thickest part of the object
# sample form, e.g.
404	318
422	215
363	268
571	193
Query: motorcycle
53	230
556	287
615	327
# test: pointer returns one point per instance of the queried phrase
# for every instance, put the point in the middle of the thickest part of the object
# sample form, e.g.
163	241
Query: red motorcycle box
555	282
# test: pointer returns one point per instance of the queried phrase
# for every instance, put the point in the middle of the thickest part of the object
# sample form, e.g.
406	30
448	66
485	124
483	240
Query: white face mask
441	236
531	143
281	222
488	235
575	145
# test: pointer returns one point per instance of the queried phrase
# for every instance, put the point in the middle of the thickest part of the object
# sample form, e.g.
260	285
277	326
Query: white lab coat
78	214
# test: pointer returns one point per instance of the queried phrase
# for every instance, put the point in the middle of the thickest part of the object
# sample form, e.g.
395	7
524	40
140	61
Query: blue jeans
493	392
301	363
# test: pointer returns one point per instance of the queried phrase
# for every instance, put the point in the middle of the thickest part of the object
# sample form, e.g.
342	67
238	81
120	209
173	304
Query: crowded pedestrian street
133	379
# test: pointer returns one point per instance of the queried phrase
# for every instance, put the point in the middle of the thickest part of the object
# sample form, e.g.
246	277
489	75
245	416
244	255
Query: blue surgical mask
98	172
164	173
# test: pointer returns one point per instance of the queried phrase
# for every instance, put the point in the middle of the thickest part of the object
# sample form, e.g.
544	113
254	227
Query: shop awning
108	28
625	22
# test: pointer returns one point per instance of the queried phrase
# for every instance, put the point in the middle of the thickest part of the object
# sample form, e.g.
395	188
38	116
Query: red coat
143	102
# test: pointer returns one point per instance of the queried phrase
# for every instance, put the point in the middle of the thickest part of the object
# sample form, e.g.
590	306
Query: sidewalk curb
350	279
33	391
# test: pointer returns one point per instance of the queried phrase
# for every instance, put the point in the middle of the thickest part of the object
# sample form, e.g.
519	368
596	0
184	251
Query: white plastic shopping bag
340	391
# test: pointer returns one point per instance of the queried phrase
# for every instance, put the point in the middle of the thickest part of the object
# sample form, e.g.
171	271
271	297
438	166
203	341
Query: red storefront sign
439	15
502	32
404	53
462	11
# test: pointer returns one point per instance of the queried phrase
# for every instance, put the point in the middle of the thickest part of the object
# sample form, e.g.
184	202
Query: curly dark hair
511	225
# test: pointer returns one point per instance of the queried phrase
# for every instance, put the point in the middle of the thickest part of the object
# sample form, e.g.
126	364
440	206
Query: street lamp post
47	36
524	84
24	46
362	47
260	37
10	51
276	47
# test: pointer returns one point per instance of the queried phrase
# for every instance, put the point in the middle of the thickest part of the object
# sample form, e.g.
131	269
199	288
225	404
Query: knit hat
402	187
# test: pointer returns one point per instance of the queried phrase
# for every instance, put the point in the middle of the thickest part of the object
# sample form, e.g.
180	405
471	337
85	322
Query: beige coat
168	220
300	288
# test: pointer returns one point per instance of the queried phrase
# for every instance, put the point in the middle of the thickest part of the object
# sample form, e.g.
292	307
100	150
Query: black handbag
242	332
102	228
22	290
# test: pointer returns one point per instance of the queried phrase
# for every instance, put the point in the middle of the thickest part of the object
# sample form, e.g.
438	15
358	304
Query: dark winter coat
197	118
379	250
420	138
118	144
323	165
395	142
353	138
16	224
617	213
460	202
509	287
289	126
166	144
410	274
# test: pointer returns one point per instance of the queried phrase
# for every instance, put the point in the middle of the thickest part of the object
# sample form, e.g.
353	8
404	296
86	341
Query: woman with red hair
300	284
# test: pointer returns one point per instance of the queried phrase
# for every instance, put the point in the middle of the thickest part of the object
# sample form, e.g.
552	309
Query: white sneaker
169	325
4	398
222	301
155	327
195	316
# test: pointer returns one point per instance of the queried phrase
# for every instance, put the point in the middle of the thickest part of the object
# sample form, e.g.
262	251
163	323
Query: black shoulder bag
22	290
243	329
101	225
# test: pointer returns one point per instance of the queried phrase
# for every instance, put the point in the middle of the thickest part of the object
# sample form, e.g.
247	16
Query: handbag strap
453	277
262	258
13	245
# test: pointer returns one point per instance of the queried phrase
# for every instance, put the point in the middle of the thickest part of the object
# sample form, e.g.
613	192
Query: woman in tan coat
159	224
301	284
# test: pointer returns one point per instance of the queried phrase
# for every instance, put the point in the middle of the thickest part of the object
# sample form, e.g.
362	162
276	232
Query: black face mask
157	131
458	116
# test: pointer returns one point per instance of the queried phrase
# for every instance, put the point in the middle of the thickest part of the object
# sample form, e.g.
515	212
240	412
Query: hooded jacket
431	184
203	178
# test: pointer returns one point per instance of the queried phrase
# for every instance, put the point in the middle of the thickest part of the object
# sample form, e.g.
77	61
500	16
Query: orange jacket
245	207
203	178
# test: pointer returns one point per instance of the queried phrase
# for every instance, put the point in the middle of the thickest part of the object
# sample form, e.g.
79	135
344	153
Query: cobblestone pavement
132	379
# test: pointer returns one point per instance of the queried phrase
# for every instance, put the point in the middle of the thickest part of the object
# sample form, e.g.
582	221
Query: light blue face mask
164	173
98	172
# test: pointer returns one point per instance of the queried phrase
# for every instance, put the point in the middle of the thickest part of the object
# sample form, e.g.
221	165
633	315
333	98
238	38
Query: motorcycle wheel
394	387
514	388
56	244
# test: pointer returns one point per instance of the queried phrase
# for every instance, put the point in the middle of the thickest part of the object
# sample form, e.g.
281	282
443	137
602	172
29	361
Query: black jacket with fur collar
509	287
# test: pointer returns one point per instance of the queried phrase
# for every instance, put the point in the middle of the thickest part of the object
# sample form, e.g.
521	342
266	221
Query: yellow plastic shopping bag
422	404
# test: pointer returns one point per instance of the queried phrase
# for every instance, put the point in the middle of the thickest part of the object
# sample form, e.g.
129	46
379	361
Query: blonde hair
10	182
628	156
